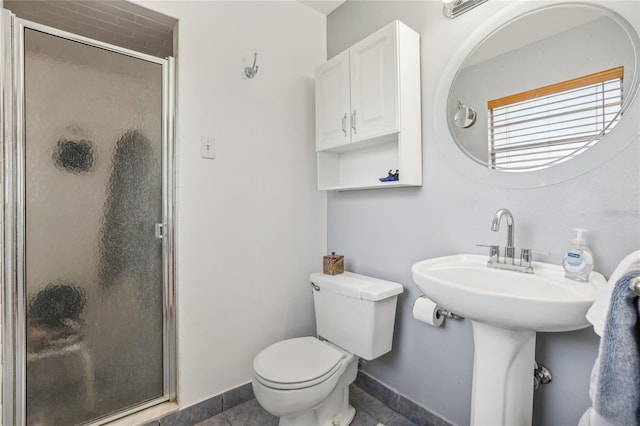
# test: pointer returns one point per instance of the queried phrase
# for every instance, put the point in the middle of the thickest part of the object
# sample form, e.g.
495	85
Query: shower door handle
161	230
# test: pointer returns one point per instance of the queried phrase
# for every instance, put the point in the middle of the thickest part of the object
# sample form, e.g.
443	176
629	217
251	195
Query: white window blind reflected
533	129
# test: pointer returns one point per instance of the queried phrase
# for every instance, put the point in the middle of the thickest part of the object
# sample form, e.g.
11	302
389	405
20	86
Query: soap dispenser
578	260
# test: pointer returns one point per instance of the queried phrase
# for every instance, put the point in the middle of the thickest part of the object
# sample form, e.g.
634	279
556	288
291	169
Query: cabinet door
332	103
374	85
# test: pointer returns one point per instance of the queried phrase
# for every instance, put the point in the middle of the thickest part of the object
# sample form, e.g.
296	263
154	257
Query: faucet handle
526	256
494	251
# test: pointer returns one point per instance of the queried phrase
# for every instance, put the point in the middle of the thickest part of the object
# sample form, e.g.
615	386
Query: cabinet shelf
361	167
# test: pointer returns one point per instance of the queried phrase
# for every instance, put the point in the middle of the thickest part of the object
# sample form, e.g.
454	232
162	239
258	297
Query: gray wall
383	232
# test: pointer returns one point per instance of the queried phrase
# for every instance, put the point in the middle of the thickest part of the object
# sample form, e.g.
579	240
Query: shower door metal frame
12	264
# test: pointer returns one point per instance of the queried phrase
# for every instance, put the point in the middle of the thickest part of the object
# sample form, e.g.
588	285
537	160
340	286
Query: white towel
597	314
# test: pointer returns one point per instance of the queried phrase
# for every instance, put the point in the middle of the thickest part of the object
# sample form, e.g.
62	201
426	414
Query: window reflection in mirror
541	49
552	124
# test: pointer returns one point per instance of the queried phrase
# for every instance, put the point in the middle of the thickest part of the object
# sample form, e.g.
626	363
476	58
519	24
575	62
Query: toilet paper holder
429	312
443	312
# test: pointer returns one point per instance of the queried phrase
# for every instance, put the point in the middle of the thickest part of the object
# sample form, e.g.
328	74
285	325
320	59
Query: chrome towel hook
252	70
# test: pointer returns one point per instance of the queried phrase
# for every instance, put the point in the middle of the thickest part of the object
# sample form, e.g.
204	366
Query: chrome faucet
509	250
509	263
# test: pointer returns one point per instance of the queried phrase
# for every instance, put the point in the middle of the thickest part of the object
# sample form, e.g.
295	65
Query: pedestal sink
506	309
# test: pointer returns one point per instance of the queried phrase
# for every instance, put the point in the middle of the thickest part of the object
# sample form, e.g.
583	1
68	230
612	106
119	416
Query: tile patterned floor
369	412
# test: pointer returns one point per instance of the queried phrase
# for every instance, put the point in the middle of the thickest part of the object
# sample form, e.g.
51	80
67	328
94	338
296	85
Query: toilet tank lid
356	285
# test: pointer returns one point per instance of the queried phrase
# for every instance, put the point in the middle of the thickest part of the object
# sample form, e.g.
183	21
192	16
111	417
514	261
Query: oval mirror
544	87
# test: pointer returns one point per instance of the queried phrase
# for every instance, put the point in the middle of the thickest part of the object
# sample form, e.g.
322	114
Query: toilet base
343	419
334	410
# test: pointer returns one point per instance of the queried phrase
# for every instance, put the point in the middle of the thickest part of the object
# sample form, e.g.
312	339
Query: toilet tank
356	312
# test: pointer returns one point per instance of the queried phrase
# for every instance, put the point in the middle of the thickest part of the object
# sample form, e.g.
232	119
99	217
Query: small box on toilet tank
333	265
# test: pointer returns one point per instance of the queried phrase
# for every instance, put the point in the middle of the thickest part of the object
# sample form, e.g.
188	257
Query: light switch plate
207	147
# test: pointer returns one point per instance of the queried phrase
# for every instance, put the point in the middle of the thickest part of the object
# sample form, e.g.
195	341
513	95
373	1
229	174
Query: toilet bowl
305	380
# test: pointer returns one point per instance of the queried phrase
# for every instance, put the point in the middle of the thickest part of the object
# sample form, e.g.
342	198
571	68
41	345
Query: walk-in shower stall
87	235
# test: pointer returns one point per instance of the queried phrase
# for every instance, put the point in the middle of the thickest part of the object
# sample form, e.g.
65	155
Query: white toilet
305	381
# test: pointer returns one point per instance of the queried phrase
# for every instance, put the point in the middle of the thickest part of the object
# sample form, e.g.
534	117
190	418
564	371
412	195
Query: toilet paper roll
426	310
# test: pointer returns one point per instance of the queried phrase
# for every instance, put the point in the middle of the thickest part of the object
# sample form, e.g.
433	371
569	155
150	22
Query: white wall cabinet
333	105
368	115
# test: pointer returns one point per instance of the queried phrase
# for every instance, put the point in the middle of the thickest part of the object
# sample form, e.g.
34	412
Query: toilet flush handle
315	286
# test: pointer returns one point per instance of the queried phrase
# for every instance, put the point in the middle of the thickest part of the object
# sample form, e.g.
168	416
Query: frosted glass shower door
93	179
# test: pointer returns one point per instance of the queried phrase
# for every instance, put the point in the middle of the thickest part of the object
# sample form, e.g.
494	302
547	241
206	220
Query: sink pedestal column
503	367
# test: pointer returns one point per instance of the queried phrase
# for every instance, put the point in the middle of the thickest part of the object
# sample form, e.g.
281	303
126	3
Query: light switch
207	147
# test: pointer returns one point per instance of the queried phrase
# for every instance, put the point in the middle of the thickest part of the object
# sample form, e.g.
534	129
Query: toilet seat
297	363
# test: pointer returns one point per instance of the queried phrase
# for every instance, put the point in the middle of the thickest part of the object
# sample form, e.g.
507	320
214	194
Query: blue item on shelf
391	177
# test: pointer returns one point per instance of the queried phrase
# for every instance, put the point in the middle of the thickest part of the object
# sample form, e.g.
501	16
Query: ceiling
118	22
323	6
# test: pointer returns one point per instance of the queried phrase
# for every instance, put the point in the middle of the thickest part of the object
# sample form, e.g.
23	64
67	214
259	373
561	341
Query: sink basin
543	301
